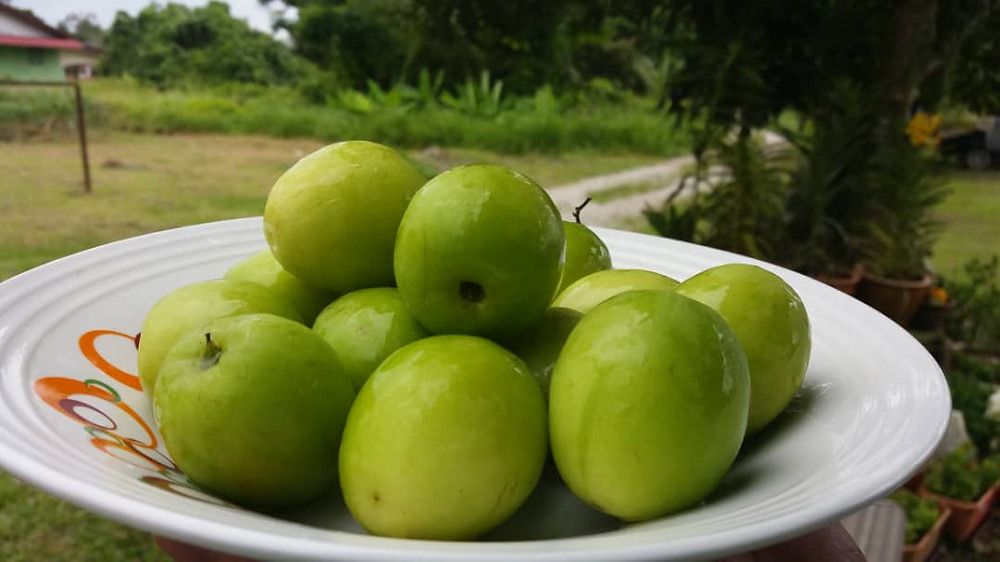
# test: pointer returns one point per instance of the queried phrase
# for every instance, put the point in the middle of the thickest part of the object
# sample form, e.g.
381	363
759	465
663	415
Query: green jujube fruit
190	306
444	442
331	219
479	252
648	404
585	254
252	408
264	269
366	326
773	327
591	290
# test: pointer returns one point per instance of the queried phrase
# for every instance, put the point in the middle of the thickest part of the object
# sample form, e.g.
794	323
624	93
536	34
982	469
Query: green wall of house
21	63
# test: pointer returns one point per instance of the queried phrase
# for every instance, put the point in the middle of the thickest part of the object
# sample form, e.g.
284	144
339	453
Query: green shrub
396	116
921	513
970	395
960	476
980	370
976	317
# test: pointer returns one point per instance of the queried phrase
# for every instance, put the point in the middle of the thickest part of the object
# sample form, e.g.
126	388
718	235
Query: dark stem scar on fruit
471	292
576	211
138	336
376	497
211	355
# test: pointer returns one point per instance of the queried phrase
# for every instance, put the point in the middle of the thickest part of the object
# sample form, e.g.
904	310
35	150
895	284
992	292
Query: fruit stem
576	211
212	353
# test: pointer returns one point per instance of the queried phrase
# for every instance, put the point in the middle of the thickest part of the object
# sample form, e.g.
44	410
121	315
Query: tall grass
281	112
30	111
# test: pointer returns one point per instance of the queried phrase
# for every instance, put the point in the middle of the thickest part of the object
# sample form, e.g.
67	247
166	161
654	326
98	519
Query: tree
174	44
524	43
84	27
749	61
973	79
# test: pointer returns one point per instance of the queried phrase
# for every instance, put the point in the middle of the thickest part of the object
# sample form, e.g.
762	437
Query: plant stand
898	299
931	317
965	516
925	546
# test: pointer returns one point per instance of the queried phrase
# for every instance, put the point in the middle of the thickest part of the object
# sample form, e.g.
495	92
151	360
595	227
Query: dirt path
608	213
612	212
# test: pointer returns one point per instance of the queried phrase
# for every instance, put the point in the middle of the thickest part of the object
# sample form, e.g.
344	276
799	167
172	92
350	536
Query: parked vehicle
978	149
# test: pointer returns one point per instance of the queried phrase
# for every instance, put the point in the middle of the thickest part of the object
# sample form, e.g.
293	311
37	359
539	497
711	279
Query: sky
53	11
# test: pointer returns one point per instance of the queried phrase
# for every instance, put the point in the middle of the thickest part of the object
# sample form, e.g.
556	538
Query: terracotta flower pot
898	299
923	548
965	516
845	281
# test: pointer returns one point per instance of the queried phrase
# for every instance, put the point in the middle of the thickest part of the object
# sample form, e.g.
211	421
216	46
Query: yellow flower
923	129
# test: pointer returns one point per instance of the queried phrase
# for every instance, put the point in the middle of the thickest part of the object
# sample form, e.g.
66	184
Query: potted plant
925	517
905	188
826	202
964	486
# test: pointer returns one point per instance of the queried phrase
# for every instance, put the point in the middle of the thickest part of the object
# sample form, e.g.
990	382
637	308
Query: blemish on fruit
471	292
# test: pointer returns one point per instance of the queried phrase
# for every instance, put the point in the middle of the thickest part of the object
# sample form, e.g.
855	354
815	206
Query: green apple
444	442
648	404
585	254
591	290
331	219
264	269
769	318
252	408
190	306
540	344
479	252
366	326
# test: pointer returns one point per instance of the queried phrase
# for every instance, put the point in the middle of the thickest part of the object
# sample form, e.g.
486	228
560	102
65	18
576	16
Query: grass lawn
970	219
144	183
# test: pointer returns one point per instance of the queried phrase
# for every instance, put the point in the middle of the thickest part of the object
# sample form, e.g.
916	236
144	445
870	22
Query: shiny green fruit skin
540	344
444	442
264	269
190	306
366	326
258	424
769	318
331	219
585	254
479	252
648	404
591	290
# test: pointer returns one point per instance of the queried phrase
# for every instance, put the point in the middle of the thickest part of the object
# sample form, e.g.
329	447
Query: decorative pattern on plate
104	422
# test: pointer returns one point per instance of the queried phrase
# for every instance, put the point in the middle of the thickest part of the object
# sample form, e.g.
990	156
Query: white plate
873	407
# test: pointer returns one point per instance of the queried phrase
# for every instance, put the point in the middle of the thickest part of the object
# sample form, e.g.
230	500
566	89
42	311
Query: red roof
41	42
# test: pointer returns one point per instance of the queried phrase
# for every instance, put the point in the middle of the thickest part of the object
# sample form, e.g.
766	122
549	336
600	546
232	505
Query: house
32	50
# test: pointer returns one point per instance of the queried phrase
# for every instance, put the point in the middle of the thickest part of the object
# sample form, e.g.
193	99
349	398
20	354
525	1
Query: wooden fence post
81	125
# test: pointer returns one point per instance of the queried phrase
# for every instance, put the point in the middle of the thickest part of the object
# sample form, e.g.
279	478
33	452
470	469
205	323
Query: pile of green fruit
427	345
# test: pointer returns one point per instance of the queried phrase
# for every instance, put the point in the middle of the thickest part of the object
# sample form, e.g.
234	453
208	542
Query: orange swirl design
104	426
